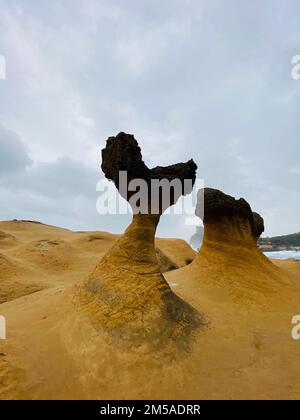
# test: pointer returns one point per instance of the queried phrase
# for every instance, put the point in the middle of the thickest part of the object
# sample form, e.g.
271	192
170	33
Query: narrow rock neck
138	239
229	231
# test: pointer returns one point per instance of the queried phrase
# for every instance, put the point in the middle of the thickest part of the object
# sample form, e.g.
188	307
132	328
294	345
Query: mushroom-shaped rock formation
227	220
230	258
126	295
258	225
122	163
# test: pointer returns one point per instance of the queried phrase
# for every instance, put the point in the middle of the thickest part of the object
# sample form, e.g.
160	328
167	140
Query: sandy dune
35	256
52	351
41	263
291	266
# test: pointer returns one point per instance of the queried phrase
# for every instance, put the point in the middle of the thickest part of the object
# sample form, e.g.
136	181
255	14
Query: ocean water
283	255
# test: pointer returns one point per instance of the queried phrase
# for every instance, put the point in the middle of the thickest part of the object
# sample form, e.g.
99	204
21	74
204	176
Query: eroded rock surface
219	208
123	154
230	257
126	296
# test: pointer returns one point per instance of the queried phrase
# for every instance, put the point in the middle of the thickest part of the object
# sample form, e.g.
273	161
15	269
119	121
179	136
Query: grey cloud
64	177
61	192
13	154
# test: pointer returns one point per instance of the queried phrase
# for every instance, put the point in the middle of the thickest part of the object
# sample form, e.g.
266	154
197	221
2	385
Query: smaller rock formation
230	257
230	219
258	225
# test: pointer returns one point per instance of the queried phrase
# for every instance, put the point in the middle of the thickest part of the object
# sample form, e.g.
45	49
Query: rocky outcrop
230	257
126	295
258	225
122	154
234	217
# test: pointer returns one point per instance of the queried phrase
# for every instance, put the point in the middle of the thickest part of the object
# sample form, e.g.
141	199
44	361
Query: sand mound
4	236
95	242
291	266
12	283
38	256
165	264
19	226
173	253
6	266
7	240
50	255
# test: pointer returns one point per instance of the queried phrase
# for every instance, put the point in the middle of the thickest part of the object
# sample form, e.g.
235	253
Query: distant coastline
281	243
283	255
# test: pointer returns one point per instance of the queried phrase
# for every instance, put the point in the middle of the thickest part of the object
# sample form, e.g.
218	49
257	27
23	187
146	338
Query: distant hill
282	241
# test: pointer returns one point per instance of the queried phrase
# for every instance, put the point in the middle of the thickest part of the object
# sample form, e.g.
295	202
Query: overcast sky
207	79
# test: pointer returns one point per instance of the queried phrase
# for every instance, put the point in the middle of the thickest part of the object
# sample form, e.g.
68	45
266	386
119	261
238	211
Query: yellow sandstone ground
241	349
291	266
248	350
35	256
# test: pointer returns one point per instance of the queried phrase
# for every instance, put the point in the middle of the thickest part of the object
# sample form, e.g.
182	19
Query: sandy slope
250	303
35	256
291	266
244	350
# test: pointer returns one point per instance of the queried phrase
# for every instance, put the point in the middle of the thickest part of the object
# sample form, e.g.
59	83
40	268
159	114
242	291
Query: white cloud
142	49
